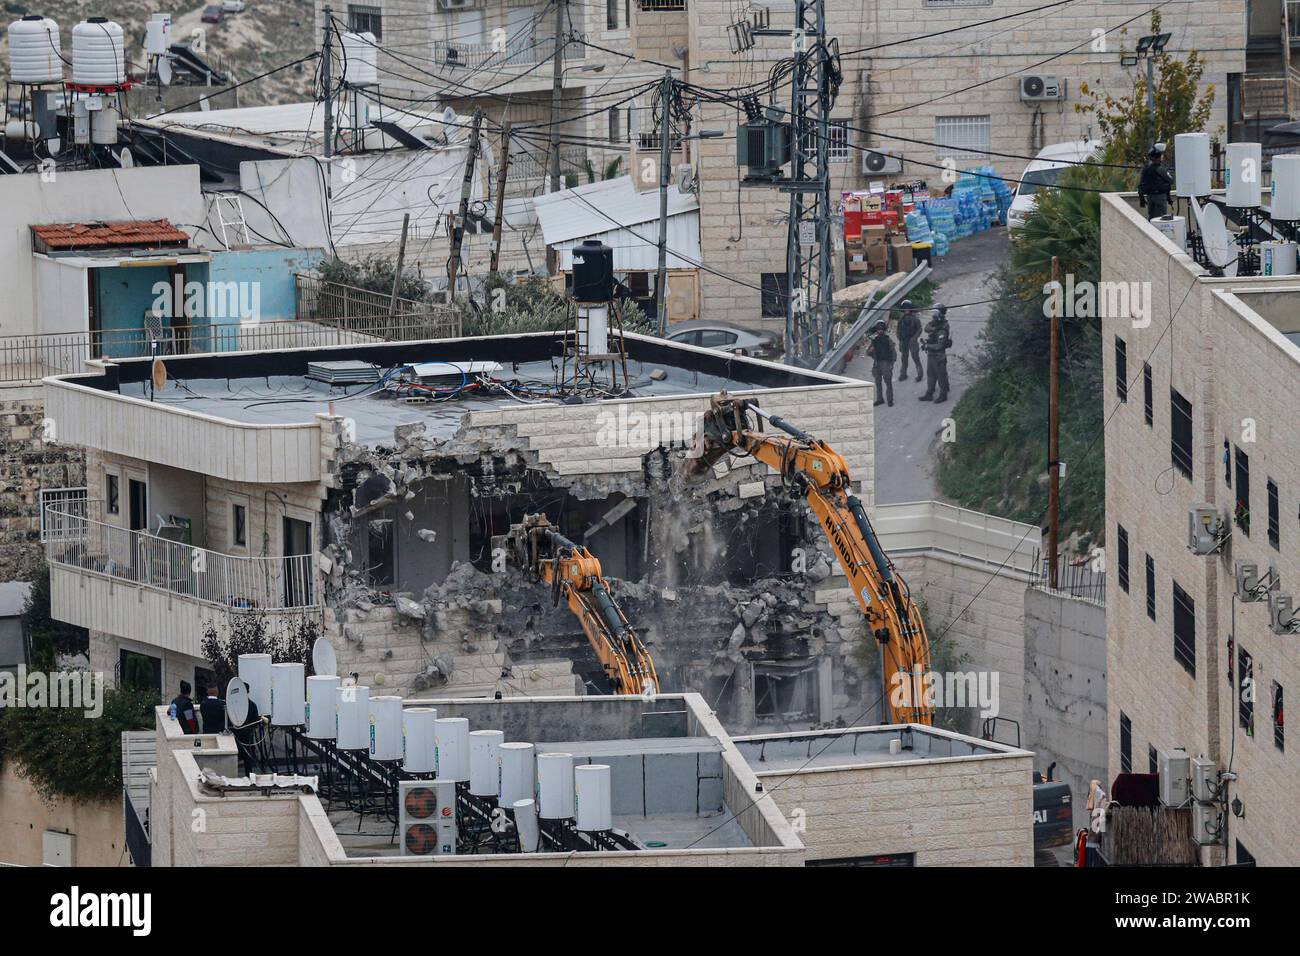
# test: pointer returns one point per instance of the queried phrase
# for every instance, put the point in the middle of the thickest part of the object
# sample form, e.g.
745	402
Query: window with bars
1184	630
1148	400
1151	587
1121	535
1121	369
366	20
776	289
837	133
615	124
1245	691
657	5
1274	516
1125	743
962	137
1241	475
1279	729
1180	433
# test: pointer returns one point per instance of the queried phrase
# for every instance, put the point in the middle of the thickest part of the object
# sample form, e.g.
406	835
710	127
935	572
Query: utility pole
397	274
557	92
1054	431
1151	98
665	131
327	89
503	166
466	187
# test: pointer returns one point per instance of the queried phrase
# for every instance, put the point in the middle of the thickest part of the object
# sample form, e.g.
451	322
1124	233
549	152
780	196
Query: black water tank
593	272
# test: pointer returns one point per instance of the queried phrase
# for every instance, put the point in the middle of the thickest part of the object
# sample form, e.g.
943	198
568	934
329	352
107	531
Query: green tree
507	306
1180	106
49	637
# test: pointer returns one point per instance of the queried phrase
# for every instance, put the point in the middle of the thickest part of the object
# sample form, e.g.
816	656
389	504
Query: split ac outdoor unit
455	4
876	162
1037	87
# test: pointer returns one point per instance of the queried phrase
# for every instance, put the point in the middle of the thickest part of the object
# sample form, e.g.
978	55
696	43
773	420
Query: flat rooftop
272	387
859	747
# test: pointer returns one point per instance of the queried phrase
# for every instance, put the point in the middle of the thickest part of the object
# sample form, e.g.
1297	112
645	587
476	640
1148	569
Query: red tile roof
135	233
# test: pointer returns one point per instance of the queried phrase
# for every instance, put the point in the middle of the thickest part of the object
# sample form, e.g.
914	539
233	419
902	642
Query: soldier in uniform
1156	183
938	340
909	339
881	350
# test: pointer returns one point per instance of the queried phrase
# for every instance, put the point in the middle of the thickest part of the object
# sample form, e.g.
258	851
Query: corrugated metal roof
134	233
637	249
569	213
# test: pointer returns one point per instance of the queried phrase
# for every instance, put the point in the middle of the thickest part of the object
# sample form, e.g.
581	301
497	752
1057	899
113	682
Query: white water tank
288	695
386	727
98	53
517	779
158	34
451	748
255	671
593	798
483	771
417	739
1175	227
1277	258
555	786
318	707
34	52
1285	205
526	825
1244	174
1192	164
360	59
351	717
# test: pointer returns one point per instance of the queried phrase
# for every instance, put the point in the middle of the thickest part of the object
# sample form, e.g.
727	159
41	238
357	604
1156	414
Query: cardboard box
902	256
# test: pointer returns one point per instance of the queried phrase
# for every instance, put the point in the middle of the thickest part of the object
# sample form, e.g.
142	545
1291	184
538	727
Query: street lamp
1147	47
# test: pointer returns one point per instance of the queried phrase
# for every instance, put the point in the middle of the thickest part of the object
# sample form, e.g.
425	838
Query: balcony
158	590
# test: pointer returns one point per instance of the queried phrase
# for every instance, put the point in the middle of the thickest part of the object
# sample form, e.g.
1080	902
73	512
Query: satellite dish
125	159
323	660
236	703
1220	246
165	71
159	375
449	116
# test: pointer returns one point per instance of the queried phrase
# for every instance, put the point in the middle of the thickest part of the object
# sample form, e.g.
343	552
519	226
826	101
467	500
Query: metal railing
76	540
1074	576
524	52
69	500
372	313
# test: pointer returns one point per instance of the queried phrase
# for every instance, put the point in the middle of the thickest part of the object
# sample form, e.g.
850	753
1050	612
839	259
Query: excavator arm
735	425
574	575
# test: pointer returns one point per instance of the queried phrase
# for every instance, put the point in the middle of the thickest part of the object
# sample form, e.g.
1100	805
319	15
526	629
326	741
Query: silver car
726	337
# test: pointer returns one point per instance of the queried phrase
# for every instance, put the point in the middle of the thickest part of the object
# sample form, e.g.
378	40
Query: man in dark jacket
881	350
182	710
938	340
1156	183
909	339
212	709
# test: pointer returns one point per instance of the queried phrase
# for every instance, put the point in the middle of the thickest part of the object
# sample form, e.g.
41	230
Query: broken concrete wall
28	463
1065	689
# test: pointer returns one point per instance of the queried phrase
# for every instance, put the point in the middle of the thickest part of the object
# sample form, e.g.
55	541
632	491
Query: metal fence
74	539
137	833
372	313
1075	576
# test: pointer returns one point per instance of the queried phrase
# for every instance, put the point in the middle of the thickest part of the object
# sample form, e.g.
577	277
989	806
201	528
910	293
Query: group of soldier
935	339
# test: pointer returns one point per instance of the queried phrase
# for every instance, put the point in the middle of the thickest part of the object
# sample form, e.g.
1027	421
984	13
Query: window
1274	518
776	289
239	525
112	498
615	126
716	338
661	4
366	20
1151	587
1122	535
1153	759
1180	433
1241	473
1279	731
1125	743
141	671
1246	692
1148	402
1121	369
962	137
837	135
611	14
958	3
1184	630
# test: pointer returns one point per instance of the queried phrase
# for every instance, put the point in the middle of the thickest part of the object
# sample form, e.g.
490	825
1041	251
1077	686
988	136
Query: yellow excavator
574	574
735	425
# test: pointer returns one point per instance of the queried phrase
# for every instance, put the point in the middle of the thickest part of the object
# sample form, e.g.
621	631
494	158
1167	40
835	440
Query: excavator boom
823	475
574	575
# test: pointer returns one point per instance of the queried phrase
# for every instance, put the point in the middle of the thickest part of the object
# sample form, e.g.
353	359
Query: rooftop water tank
255	671
319	706
1244	174
417	739
451	748
360	59
386	727
1286	188
483	770
98	53
34	52
288	695
352	717
593	272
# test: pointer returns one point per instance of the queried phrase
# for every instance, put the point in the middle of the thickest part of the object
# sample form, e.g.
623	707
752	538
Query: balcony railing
73	539
363	311
523	52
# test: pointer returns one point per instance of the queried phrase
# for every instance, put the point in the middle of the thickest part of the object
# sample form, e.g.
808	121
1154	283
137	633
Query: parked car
212	13
727	337
1043	172
233	6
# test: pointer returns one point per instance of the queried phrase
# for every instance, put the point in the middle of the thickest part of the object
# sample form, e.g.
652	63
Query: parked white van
1042	173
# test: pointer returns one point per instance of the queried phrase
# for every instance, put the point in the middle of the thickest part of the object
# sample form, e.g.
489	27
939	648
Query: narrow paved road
906	435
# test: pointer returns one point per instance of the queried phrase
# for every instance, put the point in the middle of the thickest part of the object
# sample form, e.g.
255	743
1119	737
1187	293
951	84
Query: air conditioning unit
1205	530
427	817
879	162
1175	778
455	4
1248	582
1281	613
1206	825
1037	87
1205	780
